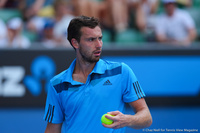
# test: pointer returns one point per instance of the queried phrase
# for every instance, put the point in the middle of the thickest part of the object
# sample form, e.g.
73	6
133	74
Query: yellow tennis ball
106	120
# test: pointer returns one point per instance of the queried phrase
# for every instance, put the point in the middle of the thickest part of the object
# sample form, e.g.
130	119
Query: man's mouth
97	53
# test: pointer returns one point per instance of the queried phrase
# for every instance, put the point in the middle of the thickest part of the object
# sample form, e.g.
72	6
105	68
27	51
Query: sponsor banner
25	74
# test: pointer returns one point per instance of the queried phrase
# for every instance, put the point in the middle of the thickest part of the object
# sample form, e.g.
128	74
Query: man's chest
91	94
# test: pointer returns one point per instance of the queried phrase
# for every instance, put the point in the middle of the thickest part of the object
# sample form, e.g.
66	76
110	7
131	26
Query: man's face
90	45
170	7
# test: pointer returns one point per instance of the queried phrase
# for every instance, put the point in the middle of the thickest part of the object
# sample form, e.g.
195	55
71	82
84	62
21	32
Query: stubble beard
88	57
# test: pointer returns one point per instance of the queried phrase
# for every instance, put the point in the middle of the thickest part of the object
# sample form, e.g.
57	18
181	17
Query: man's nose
99	43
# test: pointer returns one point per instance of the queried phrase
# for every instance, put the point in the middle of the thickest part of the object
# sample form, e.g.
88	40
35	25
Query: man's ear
74	43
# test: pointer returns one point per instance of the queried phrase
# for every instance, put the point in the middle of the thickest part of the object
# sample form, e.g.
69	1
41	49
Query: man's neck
82	70
84	67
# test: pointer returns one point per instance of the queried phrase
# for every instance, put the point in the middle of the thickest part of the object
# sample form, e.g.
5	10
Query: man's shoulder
181	11
113	64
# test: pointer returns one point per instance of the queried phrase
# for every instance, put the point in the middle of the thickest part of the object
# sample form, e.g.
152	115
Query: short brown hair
74	28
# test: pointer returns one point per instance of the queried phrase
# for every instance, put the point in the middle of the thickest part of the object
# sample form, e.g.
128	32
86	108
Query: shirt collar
68	75
99	68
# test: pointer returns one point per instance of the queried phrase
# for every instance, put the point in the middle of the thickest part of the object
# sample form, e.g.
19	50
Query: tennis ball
106	120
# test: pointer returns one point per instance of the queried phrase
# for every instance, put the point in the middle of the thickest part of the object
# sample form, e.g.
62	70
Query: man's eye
91	39
100	38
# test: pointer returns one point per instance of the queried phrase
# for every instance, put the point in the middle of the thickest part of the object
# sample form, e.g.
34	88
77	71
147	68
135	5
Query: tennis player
91	87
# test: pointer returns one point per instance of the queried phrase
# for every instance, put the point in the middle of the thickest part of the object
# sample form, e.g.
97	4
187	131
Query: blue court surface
165	119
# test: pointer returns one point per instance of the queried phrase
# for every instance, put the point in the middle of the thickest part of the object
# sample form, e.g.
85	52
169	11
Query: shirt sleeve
188	21
53	109
132	89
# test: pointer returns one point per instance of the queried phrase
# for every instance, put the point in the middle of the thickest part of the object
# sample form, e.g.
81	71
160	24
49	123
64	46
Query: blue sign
165	75
42	68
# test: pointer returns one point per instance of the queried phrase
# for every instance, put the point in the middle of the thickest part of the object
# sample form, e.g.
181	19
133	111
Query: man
175	26
15	37
91	87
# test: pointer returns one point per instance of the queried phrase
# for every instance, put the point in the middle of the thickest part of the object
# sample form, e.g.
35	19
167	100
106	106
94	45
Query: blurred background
158	39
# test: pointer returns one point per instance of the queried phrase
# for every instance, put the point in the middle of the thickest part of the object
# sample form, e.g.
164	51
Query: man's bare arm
53	128
141	119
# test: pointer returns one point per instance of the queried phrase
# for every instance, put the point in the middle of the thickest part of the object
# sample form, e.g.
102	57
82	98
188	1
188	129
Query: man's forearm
140	120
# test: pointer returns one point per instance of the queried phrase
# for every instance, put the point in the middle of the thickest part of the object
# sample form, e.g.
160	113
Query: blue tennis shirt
79	106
